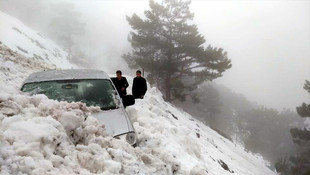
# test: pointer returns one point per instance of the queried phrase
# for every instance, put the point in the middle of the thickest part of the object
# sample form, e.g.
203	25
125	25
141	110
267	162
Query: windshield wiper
68	81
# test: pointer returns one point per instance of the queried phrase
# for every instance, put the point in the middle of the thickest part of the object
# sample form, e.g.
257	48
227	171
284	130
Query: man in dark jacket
139	86
120	83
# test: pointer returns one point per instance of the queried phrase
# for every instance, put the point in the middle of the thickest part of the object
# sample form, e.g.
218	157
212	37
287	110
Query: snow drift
43	136
20	38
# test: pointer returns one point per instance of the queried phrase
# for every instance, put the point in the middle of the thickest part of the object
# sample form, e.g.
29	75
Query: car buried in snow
92	87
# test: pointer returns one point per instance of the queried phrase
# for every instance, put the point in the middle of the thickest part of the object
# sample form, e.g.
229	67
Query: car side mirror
128	100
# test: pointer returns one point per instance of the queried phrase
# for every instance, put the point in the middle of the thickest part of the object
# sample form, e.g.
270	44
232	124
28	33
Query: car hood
116	121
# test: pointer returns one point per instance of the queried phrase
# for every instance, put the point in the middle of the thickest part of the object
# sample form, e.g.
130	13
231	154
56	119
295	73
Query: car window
91	92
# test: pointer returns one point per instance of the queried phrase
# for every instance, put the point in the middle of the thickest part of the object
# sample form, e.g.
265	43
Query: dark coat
119	84
139	87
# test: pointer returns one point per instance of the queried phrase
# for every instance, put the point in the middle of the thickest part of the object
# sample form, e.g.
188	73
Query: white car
92	87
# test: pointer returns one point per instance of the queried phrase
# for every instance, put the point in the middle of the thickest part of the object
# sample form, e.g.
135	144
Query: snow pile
20	38
43	136
39	135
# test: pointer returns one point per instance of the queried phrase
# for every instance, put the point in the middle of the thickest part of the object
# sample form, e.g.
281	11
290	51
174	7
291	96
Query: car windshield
91	92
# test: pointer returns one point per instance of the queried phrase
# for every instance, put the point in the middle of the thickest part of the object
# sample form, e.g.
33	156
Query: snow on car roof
68	74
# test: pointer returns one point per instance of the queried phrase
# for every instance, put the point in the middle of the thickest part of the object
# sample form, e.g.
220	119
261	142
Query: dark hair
138	71
119	72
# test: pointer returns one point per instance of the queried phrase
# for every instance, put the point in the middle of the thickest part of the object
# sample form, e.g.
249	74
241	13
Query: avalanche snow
43	136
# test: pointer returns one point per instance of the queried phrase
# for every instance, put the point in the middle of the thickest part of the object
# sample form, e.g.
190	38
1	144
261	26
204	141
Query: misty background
268	43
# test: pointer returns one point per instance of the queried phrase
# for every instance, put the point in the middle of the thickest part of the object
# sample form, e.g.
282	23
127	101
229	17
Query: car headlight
131	138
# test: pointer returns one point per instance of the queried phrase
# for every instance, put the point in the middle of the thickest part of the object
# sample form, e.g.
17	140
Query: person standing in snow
120	83
139	86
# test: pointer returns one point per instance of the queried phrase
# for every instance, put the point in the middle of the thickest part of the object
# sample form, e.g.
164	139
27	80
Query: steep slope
18	37
166	131
42	136
39	135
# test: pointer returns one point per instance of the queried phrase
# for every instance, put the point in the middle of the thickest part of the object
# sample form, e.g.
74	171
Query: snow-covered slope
20	38
38	135
168	132
43	136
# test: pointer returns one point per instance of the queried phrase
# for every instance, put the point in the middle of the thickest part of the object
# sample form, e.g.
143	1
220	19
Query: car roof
69	74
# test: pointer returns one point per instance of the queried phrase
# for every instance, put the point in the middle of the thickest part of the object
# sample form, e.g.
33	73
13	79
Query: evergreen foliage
299	164
171	50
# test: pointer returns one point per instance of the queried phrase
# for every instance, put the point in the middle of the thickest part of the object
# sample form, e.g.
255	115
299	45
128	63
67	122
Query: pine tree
302	138
171	50
300	163
304	109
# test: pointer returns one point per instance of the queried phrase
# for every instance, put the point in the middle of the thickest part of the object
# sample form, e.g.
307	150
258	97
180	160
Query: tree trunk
168	87
168	77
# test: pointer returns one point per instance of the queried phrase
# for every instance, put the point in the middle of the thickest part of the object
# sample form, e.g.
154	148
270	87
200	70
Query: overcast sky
267	41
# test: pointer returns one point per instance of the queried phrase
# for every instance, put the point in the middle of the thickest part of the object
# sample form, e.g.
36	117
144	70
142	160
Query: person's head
118	74
138	73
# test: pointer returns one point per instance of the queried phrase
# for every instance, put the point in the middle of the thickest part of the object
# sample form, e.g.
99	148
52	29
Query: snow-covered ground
43	136
166	131
20	38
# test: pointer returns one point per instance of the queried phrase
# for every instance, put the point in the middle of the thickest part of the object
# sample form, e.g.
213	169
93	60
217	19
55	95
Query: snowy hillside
168	132
38	135
20	38
42	136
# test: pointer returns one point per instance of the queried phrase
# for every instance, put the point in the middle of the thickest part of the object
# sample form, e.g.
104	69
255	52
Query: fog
267	41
